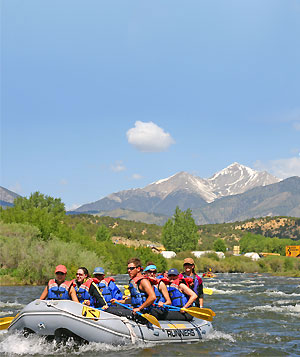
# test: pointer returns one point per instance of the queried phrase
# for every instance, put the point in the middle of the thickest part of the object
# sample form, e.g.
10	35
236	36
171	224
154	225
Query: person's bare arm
189	292
163	289
201	302
73	294
146	286
44	293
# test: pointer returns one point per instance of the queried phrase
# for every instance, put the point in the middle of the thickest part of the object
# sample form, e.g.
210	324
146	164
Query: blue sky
102	96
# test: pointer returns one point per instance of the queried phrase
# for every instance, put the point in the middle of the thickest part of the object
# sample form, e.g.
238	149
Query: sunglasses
152	271
172	275
131	268
79	274
188	265
60	273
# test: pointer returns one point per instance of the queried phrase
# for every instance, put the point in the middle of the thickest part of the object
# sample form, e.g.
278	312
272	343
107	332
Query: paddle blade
208	291
153	320
199	315
202	310
5	322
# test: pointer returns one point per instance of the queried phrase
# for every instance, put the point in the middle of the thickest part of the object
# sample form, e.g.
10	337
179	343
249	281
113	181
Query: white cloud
281	168
149	137
16	188
118	166
137	176
63	182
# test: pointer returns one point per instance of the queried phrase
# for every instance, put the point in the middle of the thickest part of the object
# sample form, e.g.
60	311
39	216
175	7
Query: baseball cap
173	271
98	270
188	261
61	269
150	267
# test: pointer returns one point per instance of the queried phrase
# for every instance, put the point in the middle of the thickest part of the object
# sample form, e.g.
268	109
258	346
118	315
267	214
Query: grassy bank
274	265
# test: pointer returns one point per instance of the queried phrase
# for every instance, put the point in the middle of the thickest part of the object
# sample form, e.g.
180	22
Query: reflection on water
255	315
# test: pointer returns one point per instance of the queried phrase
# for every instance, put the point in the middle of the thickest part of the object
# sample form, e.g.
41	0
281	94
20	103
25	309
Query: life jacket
177	297
159	295
138	297
192	282
82	291
105	289
58	292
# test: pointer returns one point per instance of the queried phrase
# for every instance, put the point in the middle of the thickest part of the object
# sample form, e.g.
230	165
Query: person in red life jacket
142	294
87	290
180	294
195	282
107	286
59	288
160	288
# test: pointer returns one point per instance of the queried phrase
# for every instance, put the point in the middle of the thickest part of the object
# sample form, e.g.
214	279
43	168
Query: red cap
61	269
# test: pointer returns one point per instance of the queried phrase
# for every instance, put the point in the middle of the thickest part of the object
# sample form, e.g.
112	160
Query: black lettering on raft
180	333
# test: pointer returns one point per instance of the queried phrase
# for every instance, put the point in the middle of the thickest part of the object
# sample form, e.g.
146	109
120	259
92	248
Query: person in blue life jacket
180	294
87	290
107	286
142	294
59	288
160	288
196	281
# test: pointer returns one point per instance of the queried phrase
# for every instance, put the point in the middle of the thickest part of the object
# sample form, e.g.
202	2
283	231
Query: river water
256	315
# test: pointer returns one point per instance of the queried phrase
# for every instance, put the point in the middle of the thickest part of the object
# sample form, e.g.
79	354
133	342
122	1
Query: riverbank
272	265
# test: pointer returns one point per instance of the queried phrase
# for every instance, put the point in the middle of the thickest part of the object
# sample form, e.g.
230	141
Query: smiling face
80	276
188	268
150	272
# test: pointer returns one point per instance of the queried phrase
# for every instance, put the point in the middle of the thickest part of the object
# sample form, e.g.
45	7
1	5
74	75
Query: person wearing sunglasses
160	288
142	294
86	289
59	288
194	281
107	286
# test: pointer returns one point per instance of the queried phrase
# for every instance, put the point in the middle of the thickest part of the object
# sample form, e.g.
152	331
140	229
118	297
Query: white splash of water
11	304
218	335
17	344
5	313
292	310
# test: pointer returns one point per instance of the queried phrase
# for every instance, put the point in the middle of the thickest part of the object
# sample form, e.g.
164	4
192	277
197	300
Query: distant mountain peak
185	190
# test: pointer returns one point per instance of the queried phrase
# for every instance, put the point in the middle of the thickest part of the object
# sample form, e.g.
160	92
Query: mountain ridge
184	190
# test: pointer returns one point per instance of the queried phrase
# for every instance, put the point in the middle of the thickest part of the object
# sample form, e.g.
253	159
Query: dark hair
135	261
86	272
150	263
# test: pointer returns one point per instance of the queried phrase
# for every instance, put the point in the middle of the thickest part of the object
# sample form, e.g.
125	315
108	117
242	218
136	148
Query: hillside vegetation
36	235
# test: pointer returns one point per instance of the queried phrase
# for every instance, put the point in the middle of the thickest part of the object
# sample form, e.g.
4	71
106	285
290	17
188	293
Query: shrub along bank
275	265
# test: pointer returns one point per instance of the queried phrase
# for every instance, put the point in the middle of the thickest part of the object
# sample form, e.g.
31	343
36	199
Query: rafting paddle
208	291
5	322
153	320
200	313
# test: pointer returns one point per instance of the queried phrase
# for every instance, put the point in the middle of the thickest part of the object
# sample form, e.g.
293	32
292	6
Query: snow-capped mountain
237	178
184	190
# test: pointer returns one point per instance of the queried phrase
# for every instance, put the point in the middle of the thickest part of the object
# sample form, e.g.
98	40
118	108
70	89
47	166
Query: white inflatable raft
63	318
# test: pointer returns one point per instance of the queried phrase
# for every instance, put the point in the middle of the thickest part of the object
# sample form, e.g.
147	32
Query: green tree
103	234
219	245
42	211
180	232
